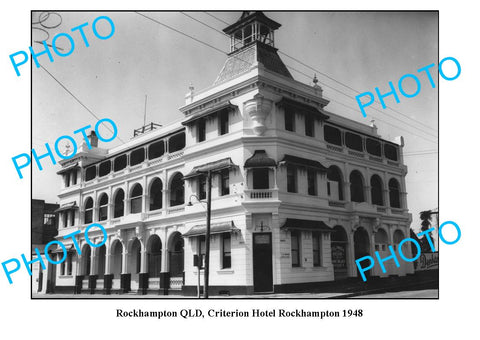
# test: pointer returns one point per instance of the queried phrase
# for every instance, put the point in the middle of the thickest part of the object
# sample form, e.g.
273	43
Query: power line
292	68
213	16
78	100
337	81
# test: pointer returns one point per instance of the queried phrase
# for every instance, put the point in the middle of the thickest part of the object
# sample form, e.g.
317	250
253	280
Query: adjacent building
298	192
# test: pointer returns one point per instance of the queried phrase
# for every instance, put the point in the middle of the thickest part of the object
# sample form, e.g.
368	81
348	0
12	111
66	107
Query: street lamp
207	232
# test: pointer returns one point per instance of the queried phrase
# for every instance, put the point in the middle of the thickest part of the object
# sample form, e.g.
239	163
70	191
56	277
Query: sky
360	50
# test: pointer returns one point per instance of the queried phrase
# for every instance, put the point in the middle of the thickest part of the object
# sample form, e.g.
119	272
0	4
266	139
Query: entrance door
361	248
262	263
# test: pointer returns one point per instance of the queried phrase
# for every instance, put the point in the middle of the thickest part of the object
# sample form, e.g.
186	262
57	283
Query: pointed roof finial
67	149
191	88
315	79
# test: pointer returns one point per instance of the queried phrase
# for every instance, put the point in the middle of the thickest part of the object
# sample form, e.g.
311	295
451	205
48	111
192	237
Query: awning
225	163
68	168
259	160
294	160
67	206
215	228
208	111
301	107
309	225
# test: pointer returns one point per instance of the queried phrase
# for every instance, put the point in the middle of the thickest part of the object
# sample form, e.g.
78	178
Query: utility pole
207	234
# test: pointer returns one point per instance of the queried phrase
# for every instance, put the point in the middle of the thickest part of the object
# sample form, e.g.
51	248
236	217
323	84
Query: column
145	196
368	194
275	178
346	188
125	277
351	265
376	270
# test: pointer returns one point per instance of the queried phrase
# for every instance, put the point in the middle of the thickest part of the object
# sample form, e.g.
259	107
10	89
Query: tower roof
249	17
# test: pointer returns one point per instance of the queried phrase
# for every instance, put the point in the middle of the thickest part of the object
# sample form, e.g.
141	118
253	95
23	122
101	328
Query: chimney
92	137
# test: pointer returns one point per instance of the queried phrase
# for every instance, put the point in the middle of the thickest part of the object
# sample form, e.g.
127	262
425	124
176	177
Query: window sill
225	271
65	276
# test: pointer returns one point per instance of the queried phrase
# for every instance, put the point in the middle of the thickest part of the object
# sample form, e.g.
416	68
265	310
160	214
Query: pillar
125	277
346	188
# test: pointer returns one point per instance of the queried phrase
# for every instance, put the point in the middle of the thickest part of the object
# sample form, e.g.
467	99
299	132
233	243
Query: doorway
262	263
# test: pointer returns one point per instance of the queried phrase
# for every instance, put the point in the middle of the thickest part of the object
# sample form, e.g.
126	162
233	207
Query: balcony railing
337	204
175	155
261	194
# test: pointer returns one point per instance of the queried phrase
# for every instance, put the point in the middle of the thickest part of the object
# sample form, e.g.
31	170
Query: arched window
356	186
377	190
398	237
88	217
103	208
335	183
118	204
332	135
156	194
176	142
156	149
177	190
136	199
394	189
381	240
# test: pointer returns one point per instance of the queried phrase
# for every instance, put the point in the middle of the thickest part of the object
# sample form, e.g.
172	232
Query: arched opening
136	199
335	183
332	135
154	256
175	254
176	142
156	149
398	237
339	248
102	253
381	240
134	257
361	247
117	250
86	260
376	190
177	190
394	190
88	215
156	194
103	207
356	187
118	205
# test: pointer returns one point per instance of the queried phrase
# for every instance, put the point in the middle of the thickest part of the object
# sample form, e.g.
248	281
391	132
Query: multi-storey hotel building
298	192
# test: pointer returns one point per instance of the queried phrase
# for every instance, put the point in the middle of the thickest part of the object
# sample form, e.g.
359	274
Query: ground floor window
295	244
226	251
317	249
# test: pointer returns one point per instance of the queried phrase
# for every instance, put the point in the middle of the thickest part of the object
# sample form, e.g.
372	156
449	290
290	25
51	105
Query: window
317	249
260	178
103	209
223	121
156	194
120	163
376	190
312	182
74	177
356	187
67	180
65	218
354	141
49	219
226	251
177	190
334	183
373	147
88	210
289	120
309	125
90	173
332	135
202	187
225	182
136	199
390	152
394	189
295	240
62	266
176	143
137	156
118	204
291	179
156	150
105	168
201	250
201	130
72	217
69	263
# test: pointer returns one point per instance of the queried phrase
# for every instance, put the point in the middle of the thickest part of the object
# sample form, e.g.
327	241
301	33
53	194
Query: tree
426	217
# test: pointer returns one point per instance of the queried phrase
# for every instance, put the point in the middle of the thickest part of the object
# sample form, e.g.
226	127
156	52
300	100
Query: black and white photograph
220	167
